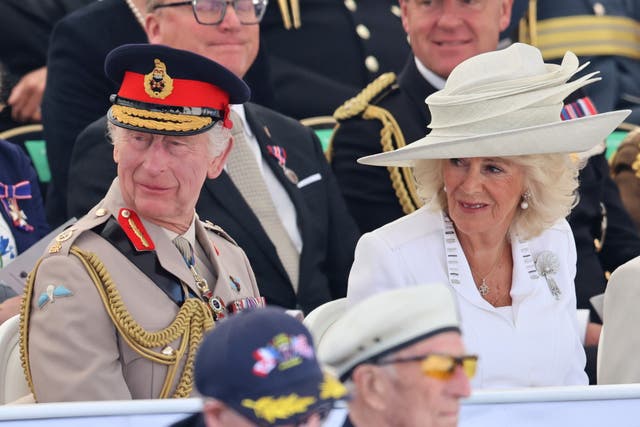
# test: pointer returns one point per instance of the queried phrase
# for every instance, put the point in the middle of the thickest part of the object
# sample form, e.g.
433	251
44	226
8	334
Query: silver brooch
547	264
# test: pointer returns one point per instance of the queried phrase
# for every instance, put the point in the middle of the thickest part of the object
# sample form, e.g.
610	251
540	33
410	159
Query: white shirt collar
239	109
435	80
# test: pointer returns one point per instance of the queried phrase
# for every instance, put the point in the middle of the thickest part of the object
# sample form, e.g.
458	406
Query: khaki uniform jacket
74	349
619	345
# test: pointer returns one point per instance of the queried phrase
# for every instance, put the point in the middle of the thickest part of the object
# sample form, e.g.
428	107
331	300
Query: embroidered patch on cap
283	352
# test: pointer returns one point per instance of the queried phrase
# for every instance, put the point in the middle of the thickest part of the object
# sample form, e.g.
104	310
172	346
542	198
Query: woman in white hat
498	178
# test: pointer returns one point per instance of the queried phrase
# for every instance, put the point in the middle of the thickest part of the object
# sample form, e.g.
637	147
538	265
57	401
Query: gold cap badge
158	84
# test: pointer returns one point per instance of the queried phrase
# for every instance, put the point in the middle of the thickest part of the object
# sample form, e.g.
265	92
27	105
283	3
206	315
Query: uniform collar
435	80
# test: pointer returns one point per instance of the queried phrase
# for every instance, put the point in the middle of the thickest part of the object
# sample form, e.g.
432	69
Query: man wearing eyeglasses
401	353
277	196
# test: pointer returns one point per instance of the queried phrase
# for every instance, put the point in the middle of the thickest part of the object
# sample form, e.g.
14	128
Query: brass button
101	212
395	9
372	64
363	32
351	5
125	213
599	9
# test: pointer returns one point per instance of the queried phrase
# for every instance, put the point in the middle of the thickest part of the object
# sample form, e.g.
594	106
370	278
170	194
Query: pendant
483	288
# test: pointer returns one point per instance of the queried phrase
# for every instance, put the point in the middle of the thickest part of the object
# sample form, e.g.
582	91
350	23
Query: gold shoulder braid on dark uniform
584	35
193	320
391	136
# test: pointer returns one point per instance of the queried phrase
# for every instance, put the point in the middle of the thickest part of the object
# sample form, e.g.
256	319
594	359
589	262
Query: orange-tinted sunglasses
440	366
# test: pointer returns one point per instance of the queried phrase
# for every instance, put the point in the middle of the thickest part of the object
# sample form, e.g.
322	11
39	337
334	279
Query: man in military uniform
309	74
277	196
604	32
391	112
118	305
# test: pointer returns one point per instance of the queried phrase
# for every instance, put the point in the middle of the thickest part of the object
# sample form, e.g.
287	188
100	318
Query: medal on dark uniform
280	154
9	196
291	175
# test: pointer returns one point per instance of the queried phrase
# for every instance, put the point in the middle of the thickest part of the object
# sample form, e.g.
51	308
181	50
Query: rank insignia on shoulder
135	231
65	235
51	293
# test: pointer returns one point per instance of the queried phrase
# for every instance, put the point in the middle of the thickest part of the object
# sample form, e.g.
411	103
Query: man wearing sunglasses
402	354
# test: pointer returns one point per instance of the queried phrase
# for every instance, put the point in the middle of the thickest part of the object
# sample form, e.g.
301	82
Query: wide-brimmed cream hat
505	103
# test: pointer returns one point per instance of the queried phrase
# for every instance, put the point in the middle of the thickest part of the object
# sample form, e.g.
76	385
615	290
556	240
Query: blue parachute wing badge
43	299
51	293
61	291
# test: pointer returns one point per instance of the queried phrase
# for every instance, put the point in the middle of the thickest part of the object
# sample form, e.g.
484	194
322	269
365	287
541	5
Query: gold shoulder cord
401	178
190	325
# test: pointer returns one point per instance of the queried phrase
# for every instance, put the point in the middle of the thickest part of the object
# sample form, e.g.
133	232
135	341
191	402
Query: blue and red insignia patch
283	352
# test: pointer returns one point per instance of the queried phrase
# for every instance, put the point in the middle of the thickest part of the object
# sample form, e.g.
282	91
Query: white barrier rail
597	406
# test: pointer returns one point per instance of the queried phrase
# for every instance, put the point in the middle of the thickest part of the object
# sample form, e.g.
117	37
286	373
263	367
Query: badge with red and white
280	154
9	196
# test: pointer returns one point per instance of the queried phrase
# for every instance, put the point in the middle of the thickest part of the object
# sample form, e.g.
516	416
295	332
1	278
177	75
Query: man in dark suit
78	90
391	112
311	212
301	39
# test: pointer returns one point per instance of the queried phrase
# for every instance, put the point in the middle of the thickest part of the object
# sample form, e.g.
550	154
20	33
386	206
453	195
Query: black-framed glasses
212	12
440	366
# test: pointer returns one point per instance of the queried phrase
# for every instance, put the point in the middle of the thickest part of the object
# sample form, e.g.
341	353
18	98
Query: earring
444	188
524	204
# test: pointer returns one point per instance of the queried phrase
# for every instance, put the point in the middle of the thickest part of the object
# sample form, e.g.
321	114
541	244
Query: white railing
601	406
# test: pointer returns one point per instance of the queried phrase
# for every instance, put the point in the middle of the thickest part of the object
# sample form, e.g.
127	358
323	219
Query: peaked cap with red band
170	91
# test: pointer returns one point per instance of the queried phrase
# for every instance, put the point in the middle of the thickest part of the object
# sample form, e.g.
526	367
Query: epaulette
62	243
391	136
218	230
356	105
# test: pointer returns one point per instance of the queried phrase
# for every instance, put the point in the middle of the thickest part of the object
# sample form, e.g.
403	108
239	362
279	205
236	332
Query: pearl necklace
136	12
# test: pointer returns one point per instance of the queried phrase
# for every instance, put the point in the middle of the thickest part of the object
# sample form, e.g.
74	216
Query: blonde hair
551	180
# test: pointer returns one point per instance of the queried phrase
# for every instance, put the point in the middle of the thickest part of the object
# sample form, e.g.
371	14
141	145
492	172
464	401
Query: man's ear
116	153
505	14
217	163
372	385
404	13
152	28
212	411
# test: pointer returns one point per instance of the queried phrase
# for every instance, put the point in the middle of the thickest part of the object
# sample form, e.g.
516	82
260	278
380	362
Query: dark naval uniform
106	317
386	115
322	52
605	32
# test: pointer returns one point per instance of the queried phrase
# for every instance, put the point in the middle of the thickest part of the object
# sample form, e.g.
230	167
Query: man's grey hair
219	137
151	4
